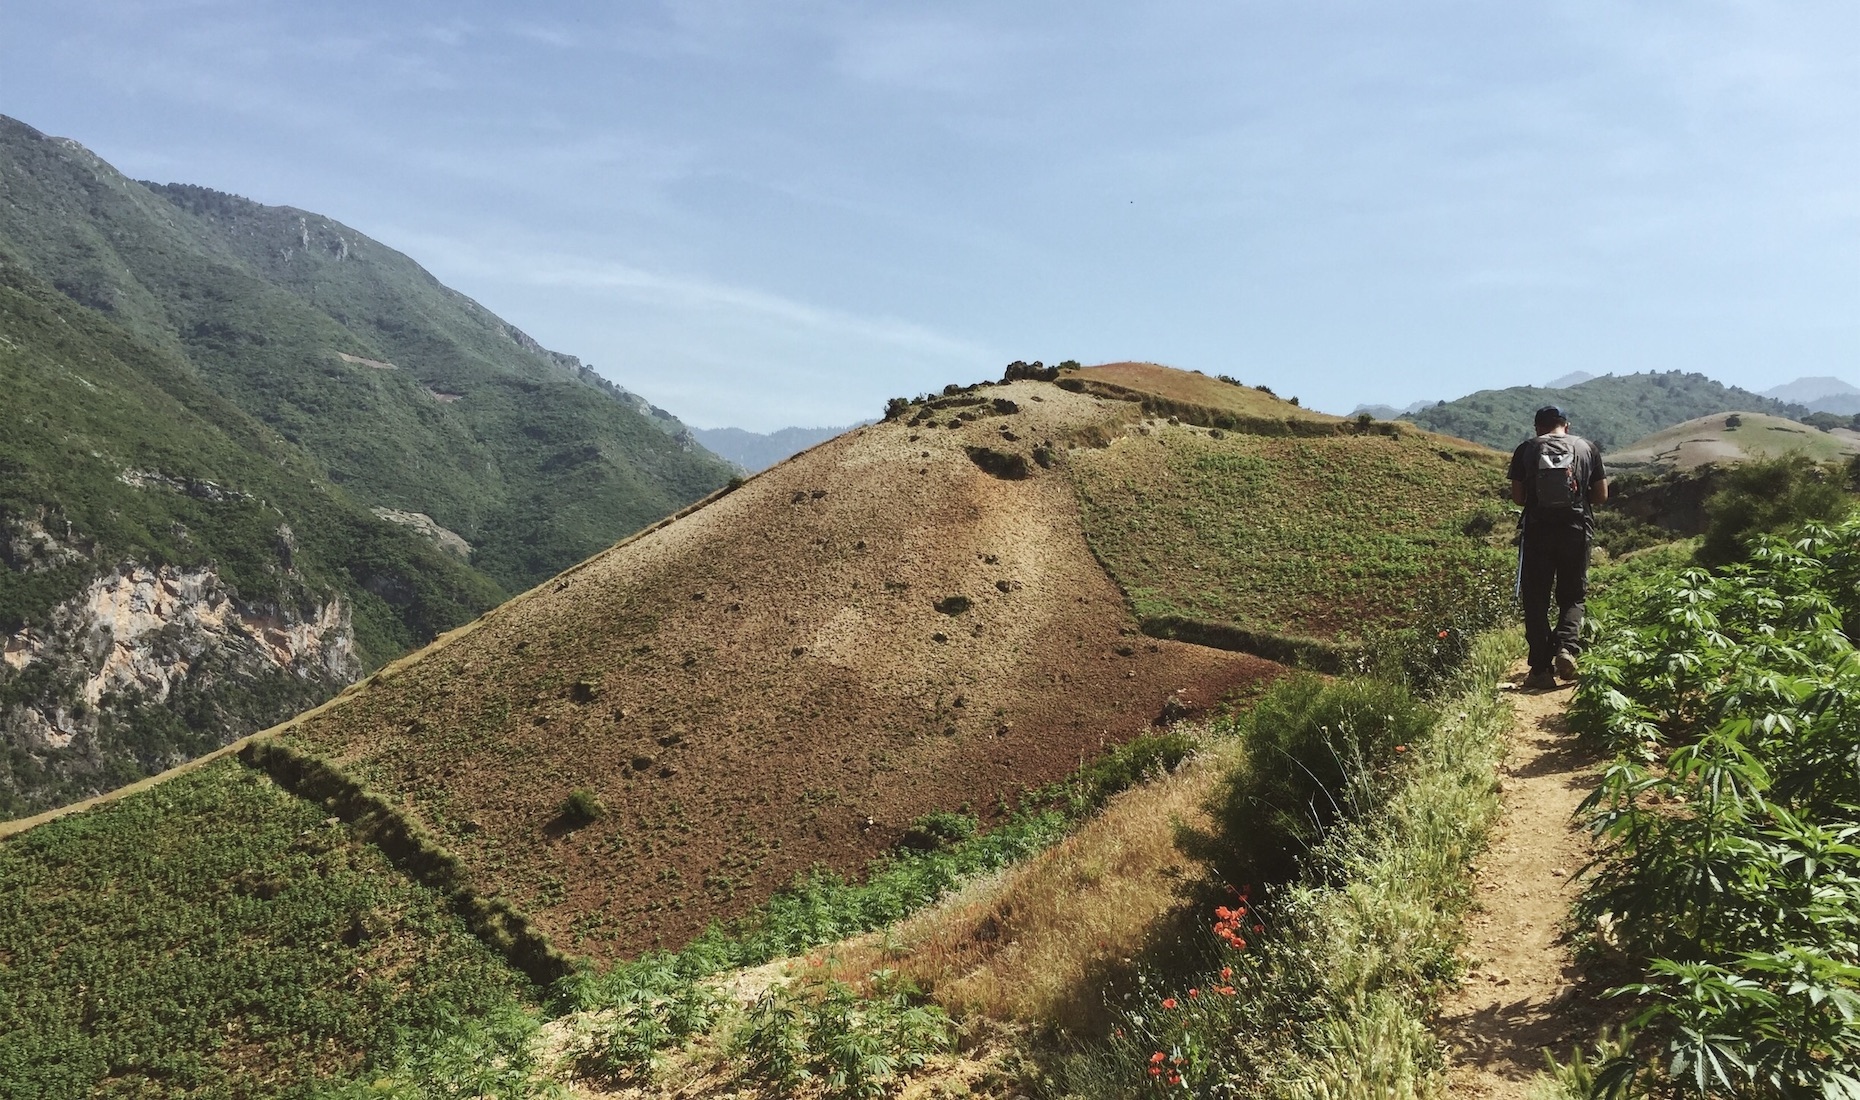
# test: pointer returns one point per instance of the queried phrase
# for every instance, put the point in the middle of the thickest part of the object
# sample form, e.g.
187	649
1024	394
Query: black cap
1550	416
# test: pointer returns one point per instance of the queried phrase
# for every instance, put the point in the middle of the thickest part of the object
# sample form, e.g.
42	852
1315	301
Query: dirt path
1518	997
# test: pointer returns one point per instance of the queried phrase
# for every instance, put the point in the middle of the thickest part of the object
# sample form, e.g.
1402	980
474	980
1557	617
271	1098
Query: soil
1523	992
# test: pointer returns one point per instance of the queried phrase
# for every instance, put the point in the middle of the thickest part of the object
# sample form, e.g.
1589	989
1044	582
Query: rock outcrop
148	667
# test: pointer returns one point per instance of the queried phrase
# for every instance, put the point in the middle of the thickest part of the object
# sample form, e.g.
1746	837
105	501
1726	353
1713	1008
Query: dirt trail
1519	997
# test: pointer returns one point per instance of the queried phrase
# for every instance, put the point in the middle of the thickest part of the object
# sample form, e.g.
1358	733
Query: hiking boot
1565	663
1540	679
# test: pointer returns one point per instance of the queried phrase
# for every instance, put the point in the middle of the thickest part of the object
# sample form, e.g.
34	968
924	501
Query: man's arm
1517	492
1598	492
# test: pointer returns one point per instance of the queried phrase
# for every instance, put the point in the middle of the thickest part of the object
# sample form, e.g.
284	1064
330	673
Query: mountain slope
1611	410
174	577
409	394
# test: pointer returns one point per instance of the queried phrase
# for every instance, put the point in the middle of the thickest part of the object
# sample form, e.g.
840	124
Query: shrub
583	807
1317	753
1761	497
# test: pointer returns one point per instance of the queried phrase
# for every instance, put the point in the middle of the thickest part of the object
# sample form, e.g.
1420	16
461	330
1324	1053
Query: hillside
174	575
1731	438
912	618
408	394
1612	410
251	454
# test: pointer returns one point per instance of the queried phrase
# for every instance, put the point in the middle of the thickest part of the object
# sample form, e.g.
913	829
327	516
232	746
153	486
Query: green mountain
247	455
409	394
1612	410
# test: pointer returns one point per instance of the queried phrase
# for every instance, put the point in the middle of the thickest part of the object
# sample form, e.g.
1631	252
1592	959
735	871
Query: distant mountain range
755	451
249	453
1821	394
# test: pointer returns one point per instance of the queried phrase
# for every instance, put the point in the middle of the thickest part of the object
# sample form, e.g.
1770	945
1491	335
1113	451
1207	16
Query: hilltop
250	455
1735	437
1612	410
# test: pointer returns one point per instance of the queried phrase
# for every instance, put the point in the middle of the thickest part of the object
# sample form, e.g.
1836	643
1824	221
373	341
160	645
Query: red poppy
1168	1002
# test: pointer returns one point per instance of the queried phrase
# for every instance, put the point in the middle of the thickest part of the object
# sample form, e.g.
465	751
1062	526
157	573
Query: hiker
1558	478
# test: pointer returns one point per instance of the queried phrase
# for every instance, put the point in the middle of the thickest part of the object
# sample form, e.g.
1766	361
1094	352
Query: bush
1317	753
583	807
1761	497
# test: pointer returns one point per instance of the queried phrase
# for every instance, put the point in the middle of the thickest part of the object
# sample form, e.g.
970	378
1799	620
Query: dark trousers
1557	558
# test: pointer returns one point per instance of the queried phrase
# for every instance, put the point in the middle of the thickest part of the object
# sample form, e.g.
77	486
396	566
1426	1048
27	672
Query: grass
216	937
1037	944
1244	530
1330	995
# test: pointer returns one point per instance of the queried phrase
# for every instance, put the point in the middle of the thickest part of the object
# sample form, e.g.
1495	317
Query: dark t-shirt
1588	461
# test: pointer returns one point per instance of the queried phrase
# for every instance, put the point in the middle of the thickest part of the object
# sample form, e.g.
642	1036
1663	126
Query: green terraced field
216	937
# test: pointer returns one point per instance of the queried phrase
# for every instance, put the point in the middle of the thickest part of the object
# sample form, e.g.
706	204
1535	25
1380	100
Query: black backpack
1559	477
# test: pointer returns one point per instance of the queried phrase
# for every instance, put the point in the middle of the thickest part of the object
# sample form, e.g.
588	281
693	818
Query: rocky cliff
148	667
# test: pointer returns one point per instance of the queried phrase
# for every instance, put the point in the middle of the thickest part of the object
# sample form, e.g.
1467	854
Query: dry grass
1041	943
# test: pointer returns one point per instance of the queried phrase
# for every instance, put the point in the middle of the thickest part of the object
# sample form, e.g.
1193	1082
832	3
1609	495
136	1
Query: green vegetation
215	937
1323	987
115	454
1755	497
1729	873
1243	531
852	1045
1612	410
1318	754
439	408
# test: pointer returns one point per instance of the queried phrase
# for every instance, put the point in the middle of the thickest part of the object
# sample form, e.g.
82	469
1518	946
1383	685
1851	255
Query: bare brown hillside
878	628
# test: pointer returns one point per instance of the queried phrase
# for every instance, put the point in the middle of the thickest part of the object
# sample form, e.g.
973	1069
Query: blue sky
767	214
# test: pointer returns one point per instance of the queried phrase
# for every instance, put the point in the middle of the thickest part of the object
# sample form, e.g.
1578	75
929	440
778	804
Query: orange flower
1175	1078
1156	1058
1155	1071
1226	991
1401	748
1227	972
1168	1002
1443	634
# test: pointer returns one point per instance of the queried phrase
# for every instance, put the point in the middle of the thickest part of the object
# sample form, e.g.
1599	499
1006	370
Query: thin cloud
575	273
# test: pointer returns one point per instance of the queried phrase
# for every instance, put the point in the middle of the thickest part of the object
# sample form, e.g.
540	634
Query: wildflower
1156	1058
1225	991
1401	748
1155	1071
1175	1078
1227	972
1443	634
1168	1002
1193	992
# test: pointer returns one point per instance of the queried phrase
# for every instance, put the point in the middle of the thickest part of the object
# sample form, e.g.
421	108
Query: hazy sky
761	214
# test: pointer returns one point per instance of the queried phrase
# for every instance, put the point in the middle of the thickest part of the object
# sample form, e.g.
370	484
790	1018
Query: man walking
1558	478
